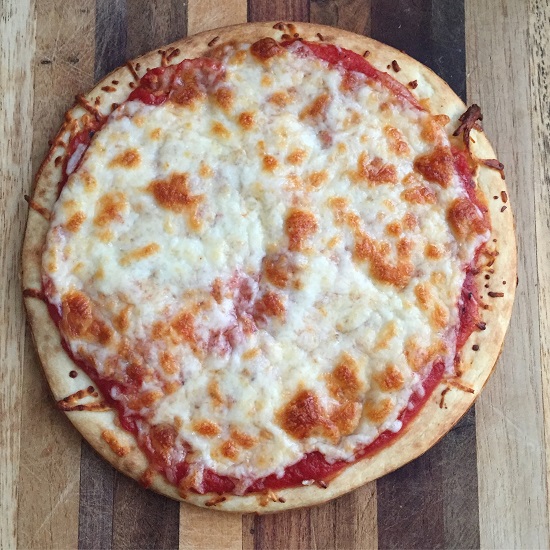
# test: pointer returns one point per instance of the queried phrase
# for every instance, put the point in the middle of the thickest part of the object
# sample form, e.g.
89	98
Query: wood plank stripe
143	519
539	25
289	10
350	15
202	529
111	32
511	454
433	499
50	446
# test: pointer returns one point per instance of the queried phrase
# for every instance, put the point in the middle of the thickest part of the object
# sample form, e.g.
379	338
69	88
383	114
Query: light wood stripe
50	447
539	23
202	529
510	439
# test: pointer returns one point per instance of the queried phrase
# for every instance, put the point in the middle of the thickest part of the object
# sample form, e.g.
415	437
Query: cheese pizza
268	264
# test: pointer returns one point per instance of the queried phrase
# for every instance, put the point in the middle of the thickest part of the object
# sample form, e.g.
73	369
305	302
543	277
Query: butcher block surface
485	485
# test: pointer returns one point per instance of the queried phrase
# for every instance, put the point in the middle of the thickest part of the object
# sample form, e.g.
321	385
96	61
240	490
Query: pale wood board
204	529
63	61
17	28
510	437
539	25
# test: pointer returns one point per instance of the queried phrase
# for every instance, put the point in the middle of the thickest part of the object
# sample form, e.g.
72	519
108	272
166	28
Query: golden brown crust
449	401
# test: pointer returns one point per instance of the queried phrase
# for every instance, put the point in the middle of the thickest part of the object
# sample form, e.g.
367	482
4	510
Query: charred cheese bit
128	159
465	219
299	226
390	379
343	382
436	166
265	49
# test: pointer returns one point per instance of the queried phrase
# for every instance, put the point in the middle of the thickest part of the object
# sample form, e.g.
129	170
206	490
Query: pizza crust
448	402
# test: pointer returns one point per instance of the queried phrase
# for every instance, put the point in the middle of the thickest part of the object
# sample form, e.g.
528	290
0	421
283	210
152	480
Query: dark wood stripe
110	36
154	24
350	15
95	516
266	10
431	31
114	511
143	519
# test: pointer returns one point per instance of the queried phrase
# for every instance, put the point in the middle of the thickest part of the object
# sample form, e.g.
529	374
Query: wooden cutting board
485	484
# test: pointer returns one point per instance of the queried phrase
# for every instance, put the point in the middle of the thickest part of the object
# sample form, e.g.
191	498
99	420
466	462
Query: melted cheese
272	268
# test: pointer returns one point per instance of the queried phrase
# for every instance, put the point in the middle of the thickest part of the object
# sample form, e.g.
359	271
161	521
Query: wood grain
510	439
289	10
539	23
211	14
350	15
50	447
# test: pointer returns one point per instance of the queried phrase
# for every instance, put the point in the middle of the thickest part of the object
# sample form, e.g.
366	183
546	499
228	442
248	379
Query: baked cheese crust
274	264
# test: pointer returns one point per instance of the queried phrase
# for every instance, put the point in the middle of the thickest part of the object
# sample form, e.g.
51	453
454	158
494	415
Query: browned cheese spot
420	194
246	120
374	171
410	221
217	290
377	412
465	220
281	99
224	98
375	252
229	450
168	363
302	416
121	321
206	428
343	382
386	334
390	379
139	254
439	317
433	252
128	159
184	326
215	394
436	166
299	226
278	269
205	171
110	208
110	438
219	130
423	295
394	229
243	439
317	109
173	194
270	305
269	163
316	179
296	157
396	141
75	222
162	438
76	314
265	48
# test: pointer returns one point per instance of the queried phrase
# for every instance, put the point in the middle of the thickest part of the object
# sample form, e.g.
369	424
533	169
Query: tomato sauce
314	466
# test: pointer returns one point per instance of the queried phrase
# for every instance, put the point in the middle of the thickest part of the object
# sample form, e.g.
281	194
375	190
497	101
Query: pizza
267	264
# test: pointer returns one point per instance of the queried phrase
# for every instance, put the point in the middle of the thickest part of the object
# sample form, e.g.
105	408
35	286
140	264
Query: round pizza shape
267	264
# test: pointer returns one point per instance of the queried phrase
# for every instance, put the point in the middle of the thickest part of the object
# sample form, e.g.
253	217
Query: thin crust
451	398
